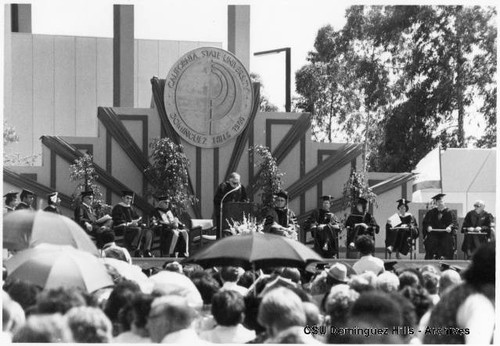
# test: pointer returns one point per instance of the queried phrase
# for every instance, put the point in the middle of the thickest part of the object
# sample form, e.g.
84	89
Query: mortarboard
438	196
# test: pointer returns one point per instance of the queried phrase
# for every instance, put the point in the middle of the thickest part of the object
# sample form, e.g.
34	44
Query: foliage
270	178
83	171
9	134
264	104
401	79
169	174
355	187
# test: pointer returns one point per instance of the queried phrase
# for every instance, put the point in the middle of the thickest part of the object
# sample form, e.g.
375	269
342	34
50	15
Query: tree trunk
459	84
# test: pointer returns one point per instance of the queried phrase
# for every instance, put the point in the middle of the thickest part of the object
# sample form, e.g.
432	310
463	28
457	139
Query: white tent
464	175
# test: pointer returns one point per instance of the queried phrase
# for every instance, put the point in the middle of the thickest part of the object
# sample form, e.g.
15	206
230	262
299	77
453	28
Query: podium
235	210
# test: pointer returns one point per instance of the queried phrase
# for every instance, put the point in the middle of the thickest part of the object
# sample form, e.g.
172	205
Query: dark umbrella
257	250
25	228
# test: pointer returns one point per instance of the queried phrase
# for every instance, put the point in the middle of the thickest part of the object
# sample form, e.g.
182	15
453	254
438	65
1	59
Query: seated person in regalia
281	220
478	227
358	223
128	223
174	236
87	218
325	228
401	229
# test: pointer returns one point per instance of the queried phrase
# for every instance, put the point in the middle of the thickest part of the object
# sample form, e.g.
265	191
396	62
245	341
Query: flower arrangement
248	225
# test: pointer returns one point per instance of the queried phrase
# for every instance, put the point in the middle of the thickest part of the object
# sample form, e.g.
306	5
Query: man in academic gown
86	217
127	222
400	229
324	227
53	202
358	223
478	227
281	220
228	191
439	228
10	202
27	200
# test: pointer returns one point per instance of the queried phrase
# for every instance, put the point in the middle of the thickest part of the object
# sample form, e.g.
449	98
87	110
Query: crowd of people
366	303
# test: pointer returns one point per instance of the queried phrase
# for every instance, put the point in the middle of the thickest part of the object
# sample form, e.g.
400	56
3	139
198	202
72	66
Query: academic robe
353	231
472	241
325	228
439	244
400	239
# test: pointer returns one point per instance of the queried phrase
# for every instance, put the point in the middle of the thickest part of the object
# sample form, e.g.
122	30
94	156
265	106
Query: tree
264	105
418	72
83	171
270	177
169	174
355	187
14	159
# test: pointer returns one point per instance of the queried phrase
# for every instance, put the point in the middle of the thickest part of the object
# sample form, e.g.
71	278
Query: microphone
221	201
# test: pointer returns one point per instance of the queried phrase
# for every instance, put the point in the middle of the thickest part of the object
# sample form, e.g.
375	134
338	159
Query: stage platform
158	262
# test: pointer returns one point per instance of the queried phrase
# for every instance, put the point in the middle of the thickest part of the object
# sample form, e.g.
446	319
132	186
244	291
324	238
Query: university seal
208	97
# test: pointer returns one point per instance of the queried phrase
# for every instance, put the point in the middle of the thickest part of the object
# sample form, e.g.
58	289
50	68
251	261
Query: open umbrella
51	266
25	228
256	250
130	272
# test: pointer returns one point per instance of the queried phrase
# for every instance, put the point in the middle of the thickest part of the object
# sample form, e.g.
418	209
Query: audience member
374	310
122	293
174	267
23	292
228	310
337	306
420	299
89	325
140	306
431	284
112	250
229	277
366	246
449	278
293	335
13	318
408	278
279	310
170	321
468	309
59	300
44	329
388	282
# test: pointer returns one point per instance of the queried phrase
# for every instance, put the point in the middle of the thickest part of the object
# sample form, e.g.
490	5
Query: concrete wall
54	84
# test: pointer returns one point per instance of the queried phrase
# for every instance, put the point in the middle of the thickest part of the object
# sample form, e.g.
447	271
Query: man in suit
27	200
86	217
127	222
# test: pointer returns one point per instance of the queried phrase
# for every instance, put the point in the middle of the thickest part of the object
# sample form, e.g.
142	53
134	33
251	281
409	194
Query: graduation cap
127	193
282	193
438	196
403	201
389	266
86	193
52	197
326	198
446	266
11	194
26	193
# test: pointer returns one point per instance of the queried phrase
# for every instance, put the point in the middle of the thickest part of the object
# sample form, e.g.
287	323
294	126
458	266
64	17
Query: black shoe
138	253
148	254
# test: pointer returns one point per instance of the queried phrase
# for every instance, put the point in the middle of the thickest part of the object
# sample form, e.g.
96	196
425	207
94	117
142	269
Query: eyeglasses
281	200
477	206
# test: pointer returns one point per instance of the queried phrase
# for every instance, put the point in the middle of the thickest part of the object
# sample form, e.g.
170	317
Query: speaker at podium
235	211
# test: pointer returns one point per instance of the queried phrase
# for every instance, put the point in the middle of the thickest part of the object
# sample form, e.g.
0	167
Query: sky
274	24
